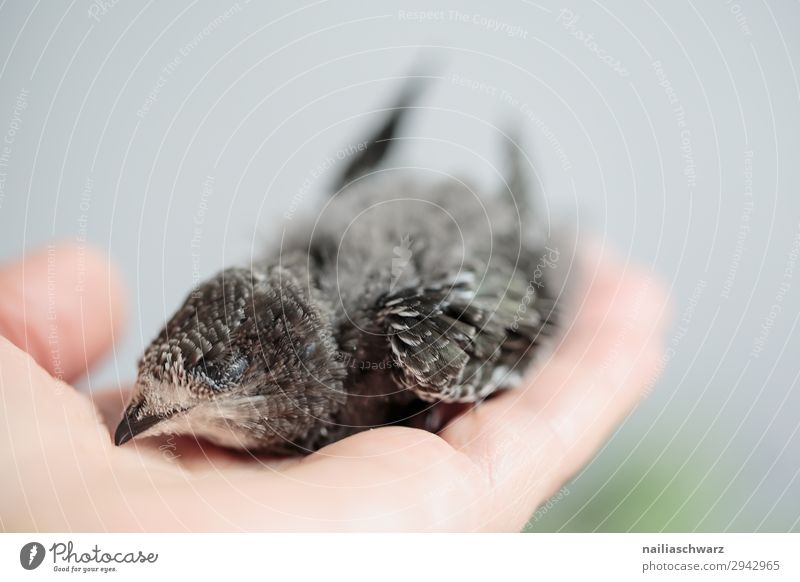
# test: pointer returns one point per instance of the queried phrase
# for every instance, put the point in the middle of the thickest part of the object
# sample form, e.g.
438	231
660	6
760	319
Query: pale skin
488	470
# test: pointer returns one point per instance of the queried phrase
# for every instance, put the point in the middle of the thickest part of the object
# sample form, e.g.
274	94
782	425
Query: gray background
131	108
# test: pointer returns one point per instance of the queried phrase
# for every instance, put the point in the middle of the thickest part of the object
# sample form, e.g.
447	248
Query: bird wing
450	341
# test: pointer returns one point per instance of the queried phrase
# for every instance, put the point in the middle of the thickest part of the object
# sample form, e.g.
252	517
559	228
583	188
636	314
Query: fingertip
63	304
110	291
618	290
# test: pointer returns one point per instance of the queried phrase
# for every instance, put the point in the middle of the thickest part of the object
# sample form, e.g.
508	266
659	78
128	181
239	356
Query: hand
488	470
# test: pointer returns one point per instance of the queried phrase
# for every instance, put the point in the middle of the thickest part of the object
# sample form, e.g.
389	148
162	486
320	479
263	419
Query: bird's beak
133	424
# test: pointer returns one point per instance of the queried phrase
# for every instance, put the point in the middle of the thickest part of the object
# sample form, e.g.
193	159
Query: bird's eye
224	373
310	349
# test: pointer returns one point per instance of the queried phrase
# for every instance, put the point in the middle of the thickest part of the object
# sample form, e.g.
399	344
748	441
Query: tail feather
379	144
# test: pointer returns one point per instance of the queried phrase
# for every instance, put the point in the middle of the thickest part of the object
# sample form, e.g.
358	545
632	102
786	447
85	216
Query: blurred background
178	135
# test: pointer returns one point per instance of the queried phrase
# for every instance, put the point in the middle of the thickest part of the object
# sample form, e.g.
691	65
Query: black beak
132	425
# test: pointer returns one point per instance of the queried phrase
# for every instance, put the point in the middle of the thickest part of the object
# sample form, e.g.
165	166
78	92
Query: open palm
488	470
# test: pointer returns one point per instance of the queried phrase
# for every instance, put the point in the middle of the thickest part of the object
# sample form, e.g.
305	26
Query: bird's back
437	291
390	235
391	232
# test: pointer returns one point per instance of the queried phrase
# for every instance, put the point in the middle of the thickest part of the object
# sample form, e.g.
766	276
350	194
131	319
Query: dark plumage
399	294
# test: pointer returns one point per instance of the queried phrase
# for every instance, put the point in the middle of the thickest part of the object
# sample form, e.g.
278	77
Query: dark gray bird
404	293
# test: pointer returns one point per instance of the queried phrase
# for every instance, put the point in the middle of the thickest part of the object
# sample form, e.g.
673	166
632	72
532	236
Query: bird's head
247	362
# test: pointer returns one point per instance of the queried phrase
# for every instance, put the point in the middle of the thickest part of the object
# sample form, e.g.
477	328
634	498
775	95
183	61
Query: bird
404	296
